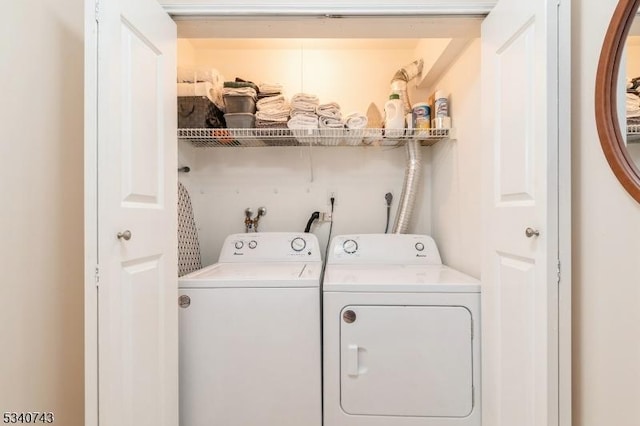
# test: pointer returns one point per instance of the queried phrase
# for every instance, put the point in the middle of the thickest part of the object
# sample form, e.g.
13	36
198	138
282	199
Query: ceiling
297	43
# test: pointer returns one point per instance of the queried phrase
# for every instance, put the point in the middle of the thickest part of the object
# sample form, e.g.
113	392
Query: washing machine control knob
253	244
419	246
298	244
350	246
239	245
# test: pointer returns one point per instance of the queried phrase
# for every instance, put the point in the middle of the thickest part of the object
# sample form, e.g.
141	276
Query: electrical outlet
326	216
331	194
386	202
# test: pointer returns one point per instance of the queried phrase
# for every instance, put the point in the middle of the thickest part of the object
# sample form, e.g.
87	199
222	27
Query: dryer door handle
352	360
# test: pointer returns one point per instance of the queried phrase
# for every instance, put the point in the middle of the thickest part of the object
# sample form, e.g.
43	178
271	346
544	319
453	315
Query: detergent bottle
394	112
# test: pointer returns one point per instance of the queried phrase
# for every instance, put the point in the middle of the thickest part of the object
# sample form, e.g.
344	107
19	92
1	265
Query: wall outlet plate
326	217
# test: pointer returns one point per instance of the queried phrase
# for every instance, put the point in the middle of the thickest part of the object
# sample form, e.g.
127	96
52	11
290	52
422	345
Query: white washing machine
401	335
250	340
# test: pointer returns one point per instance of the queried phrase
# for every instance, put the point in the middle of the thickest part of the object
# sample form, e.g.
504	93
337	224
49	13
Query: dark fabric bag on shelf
196	112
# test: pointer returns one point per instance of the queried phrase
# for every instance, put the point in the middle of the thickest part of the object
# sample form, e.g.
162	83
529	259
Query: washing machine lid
398	278
254	275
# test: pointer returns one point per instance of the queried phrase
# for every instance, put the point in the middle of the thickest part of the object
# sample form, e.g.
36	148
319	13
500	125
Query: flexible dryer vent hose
410	187
414	159
402	77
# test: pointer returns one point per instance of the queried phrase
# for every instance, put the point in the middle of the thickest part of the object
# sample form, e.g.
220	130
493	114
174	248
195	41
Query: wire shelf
633	133
205	138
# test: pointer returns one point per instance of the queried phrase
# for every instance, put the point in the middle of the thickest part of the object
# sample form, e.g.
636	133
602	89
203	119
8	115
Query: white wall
225	181
41	220
606	254
186	53
456	169
345	72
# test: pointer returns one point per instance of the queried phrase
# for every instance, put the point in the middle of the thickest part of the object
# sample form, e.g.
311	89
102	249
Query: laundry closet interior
344	325
350	61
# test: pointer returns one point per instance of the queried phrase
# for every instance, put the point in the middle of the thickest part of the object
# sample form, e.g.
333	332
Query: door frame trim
379	9
564	214
91	272
184	11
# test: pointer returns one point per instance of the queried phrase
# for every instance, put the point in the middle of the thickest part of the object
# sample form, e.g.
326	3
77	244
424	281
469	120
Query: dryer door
406	361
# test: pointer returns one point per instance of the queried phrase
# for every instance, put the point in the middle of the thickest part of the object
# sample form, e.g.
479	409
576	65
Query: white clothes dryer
250	344
401	335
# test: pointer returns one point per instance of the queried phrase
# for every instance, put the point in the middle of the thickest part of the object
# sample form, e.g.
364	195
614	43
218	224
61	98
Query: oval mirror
618	96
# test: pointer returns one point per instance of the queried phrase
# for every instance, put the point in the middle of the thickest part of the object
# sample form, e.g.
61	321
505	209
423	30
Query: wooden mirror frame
607	120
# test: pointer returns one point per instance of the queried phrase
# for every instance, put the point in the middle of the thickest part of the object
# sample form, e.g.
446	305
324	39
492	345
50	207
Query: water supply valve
250	223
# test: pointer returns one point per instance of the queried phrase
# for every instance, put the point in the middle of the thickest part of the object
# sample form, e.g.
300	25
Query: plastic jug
394	112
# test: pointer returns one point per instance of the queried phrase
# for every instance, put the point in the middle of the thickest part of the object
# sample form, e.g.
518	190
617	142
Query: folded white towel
196	89
330	110
272	102
356	120
273	115
297	112
304	102
303	106
305	97
274	88
633	105
331	123
194	75
303	122
203	74
248	91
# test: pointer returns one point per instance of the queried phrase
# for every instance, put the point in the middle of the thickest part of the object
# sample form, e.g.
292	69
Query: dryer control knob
419	246
298	244
239	245
253	244
350	246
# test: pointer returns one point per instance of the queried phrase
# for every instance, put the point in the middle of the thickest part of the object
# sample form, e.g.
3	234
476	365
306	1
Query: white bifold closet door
519	276
137	318
131	315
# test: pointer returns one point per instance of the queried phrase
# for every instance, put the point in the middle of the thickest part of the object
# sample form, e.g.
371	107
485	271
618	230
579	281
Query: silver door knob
530	232
126	235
